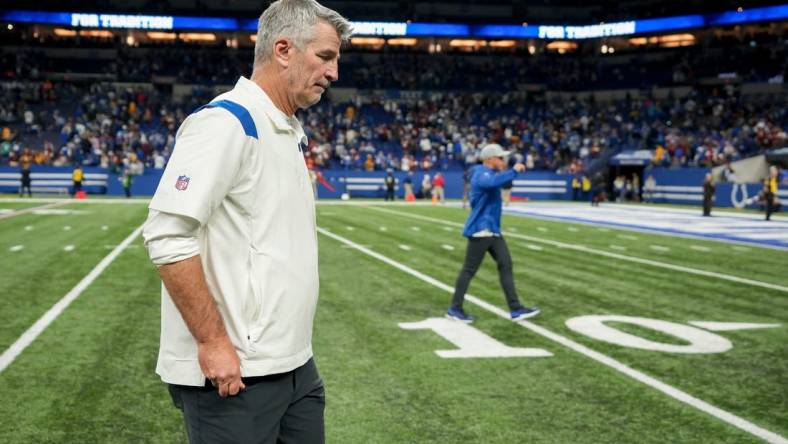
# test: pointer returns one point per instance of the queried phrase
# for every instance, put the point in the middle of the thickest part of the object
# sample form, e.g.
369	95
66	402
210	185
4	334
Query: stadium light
104	34
502	43
155	35
60	32
562	47
466	43
402	42
665	41
367	41
197	37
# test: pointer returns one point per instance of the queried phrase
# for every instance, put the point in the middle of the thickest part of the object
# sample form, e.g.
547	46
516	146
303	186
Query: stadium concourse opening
655	319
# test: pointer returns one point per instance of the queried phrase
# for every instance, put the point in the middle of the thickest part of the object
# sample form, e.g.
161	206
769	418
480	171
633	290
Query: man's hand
220	364
519	167
185	281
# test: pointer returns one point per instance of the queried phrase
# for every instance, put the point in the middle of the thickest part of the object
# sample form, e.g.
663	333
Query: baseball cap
493	150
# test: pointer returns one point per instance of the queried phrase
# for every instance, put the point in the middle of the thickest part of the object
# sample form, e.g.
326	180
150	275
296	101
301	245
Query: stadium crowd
420	111
100	125
751	59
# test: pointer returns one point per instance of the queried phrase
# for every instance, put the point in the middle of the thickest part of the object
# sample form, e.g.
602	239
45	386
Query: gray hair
294	19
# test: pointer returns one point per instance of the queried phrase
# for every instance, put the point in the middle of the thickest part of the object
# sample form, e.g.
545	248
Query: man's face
315	66
499	164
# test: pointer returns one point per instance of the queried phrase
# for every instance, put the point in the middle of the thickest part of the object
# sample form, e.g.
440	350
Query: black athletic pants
707	202
769	204
284	408
474	254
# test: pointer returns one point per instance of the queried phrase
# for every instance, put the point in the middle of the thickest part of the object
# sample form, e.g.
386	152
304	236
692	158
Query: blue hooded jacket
486	199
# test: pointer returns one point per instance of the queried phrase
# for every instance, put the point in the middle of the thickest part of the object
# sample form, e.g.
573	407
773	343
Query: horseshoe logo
742	190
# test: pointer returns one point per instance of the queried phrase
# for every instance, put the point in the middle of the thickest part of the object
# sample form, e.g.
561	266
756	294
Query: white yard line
618	247
404	247
43	322
639	376
659	248
92	200
447	247
16	248
700	248
31	209
68	248
533	247
608	254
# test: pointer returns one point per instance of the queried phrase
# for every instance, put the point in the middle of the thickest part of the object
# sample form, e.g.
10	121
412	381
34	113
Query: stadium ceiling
491	11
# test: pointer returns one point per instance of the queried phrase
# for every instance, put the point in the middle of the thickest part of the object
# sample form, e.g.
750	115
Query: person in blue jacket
483	230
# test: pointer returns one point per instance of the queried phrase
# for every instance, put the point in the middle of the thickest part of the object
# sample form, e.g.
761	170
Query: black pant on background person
25	186
283	408
769	204
707	205
474	254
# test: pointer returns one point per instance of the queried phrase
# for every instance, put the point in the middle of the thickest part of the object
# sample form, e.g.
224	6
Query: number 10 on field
697	337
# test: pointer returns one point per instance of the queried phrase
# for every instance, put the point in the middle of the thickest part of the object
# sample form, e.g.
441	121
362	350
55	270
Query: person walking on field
483	230
232	231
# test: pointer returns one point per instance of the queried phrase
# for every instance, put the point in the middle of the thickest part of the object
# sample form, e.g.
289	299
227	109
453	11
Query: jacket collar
280	120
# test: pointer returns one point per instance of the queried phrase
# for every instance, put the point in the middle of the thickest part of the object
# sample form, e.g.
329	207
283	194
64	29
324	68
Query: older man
232	229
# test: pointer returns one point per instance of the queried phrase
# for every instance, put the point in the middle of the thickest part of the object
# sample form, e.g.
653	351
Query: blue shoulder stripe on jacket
241	113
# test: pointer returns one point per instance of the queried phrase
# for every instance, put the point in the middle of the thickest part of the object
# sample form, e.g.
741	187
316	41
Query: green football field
624	351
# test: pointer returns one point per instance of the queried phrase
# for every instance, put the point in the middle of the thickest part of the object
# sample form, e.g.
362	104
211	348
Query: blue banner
633	27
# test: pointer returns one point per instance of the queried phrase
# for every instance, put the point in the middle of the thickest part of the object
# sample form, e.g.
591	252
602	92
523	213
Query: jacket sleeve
209	151
170	237
487	180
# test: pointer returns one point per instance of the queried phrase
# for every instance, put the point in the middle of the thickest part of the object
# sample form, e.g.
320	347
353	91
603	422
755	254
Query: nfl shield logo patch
182	183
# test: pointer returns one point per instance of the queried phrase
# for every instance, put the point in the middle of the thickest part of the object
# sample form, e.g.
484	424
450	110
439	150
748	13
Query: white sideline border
44	321
31	209
671	391
612	255
71	200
